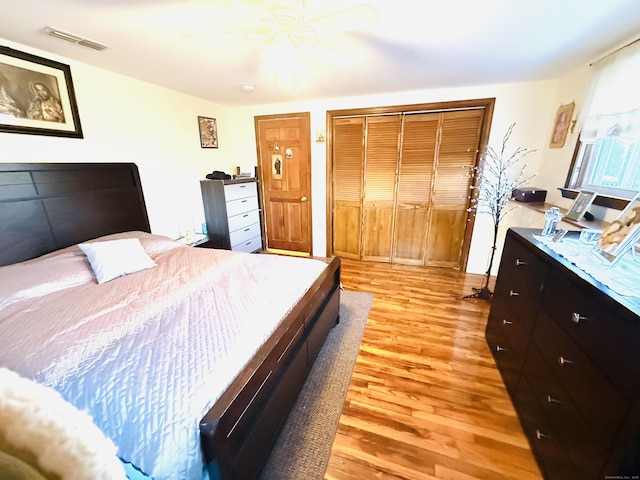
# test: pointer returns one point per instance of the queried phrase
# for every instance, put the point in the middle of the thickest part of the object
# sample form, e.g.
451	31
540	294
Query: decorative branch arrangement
497	181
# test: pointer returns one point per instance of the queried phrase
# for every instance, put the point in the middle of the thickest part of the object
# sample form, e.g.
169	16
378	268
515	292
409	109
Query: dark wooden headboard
48	206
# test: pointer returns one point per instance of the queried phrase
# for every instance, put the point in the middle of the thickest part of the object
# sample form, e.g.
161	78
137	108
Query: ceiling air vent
73	38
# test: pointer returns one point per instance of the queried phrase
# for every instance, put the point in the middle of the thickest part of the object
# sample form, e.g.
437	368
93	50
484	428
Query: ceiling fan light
281	56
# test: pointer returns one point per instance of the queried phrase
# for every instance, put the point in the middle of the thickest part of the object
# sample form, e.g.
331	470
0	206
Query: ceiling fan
291	31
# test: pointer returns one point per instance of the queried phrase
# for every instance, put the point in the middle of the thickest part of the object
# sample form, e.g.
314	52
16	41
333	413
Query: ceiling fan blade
355	18
251	20
245	36
258	9
328	54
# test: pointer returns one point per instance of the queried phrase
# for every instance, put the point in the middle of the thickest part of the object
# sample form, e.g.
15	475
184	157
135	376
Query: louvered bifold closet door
348	166
381	165
415	174
457	152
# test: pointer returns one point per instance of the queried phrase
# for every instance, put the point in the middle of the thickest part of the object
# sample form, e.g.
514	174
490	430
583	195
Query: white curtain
612	107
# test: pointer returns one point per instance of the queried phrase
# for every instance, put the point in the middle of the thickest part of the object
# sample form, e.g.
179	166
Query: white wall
126	120
531	106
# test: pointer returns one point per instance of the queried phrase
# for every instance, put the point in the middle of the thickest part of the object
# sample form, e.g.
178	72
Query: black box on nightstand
529	195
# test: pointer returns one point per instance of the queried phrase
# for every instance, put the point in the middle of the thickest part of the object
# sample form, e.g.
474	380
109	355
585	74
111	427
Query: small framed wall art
208	132
561	125
276	166
36	96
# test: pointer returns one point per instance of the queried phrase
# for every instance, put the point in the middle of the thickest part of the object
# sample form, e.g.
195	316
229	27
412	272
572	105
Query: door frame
481	103
263	213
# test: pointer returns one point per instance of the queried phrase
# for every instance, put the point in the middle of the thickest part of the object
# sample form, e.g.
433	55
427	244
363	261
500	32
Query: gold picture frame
561	125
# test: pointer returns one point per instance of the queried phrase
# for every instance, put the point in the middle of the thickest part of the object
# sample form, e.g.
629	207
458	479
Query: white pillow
115	258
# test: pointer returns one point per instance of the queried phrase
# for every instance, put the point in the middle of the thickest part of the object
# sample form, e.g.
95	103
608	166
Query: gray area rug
303	448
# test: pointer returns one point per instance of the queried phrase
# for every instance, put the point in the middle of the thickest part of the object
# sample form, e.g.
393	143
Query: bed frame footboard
238	433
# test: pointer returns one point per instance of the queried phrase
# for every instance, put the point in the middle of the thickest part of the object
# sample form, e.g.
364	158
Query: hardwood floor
425	400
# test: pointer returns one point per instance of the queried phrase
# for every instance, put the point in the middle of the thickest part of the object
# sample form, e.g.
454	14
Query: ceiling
194	47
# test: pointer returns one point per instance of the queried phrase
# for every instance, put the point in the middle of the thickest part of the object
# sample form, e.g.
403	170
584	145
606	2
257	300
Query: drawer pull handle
248	243
577	318
564	361
500	349
245	215
550	399
540	435
243	186
243	201
513	293
520	262
506	322
247	229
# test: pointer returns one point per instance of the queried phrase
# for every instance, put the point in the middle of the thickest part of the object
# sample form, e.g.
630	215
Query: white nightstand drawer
249	246
244	234
242	220
240	190
235	207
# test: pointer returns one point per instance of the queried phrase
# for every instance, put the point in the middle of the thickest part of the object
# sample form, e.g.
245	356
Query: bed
216	346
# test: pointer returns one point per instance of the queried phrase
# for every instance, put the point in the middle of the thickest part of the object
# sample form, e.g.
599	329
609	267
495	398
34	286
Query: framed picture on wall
561	125
37	96
208	132
580	205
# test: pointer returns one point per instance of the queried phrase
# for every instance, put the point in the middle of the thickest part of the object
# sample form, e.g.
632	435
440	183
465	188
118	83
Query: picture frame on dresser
622	234
37	96
580	205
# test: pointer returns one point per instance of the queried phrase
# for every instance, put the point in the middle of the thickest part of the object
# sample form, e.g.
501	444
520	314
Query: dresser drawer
249	246
511	327
587	451
244	234
242	205
235	191
599	401
520	280
507	361
545	444
612	342
244	219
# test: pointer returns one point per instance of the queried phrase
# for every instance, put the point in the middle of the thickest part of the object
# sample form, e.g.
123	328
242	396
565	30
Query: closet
401	185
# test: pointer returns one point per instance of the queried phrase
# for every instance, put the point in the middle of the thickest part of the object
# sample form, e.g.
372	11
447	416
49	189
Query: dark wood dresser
568	350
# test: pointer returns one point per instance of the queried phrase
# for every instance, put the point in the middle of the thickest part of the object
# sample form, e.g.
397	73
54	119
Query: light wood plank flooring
426	400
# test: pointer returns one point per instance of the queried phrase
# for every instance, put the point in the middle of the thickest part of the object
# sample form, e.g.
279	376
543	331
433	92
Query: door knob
304	199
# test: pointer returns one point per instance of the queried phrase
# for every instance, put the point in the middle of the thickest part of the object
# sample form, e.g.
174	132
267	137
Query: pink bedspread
149	353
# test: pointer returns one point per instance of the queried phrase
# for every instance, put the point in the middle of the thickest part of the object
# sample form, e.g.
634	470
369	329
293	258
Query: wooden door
380	172
415	177
284	163
401	183
457	155
348	167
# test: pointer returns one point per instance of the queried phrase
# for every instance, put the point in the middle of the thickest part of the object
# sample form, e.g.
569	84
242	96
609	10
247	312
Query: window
608	154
